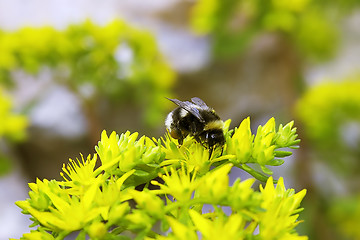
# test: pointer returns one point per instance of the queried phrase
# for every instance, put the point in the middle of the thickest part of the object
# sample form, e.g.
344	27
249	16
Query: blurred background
69	69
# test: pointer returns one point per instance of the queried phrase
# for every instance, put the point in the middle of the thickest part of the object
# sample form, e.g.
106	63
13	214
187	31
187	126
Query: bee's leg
181	140
198	139
177	134
211	151
180	137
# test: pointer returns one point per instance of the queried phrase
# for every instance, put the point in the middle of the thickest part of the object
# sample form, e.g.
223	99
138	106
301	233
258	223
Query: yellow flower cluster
262	148
104	201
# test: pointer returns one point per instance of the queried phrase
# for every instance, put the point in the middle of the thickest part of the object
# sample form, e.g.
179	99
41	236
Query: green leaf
266	170
275	162
141	173
259	176
282	154
153	165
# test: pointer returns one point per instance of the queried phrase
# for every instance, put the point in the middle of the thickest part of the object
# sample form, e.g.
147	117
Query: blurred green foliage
93	199
330	115
326	110
309	25
12	128
345	214
12	125
115	60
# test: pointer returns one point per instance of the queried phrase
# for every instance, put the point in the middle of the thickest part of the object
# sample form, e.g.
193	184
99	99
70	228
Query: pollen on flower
81	170
178	183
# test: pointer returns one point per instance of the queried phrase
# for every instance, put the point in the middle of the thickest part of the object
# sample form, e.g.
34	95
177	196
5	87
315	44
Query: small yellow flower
241	143
181	231
241	195
80	174
97	230
117	212
222	227
286	136
280	206
197	159
140	220
36	235
108	148
67	213
263	147
172	150
178	183
150	202
215	184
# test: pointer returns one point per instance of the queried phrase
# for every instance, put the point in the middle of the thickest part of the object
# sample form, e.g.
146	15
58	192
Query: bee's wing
188	106
199	102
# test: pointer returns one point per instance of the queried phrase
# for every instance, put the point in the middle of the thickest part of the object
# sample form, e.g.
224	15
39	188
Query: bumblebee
196	119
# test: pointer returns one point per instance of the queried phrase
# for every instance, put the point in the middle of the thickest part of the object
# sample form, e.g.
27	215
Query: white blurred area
59	13
12	223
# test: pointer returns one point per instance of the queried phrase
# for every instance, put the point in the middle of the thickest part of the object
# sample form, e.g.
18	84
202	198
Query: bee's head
214	137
